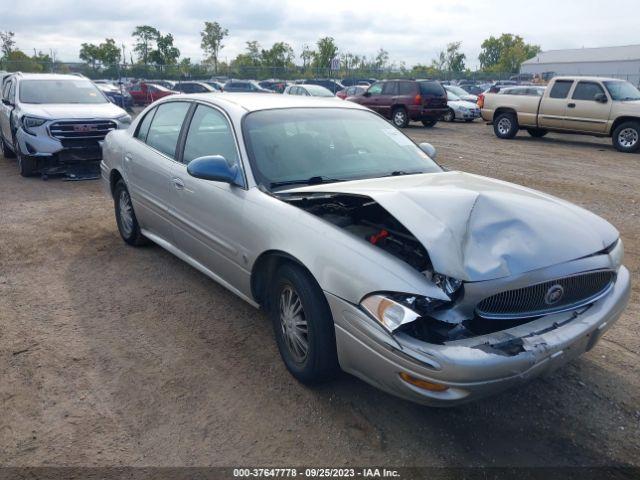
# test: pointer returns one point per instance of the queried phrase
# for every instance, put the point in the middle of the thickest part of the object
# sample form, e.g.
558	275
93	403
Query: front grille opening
82	129
547	297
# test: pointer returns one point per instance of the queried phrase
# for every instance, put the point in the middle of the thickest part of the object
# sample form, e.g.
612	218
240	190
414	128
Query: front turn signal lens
423	384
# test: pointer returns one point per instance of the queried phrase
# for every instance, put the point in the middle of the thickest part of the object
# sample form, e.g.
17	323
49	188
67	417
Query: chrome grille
95	129
535	300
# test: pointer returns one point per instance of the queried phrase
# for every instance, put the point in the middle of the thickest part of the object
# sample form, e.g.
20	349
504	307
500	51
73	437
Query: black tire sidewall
616	133
451	114
136	238
513	131
321	362
429	123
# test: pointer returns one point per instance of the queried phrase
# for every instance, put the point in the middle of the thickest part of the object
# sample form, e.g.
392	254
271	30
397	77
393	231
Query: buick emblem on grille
84	128
554	294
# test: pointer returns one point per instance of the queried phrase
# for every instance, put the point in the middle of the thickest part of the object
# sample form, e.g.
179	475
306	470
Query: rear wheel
429	123
626	137
506	125
125	216
450	116
537	132
303	325
400	118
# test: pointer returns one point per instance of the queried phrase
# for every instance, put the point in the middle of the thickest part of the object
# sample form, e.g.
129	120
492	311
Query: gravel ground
112	355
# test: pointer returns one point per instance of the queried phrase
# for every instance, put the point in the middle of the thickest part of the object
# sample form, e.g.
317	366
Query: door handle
177	183
572	105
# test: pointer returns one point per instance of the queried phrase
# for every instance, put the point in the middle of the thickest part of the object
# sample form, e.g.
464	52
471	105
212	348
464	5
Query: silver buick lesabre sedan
437	286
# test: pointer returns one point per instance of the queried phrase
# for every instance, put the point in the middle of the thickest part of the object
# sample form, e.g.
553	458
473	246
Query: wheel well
264	268
620	120
397	106
502	110
113	179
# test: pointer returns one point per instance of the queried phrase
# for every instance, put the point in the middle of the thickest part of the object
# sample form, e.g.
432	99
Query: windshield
60	91
622	91
318	91
316	145
457	90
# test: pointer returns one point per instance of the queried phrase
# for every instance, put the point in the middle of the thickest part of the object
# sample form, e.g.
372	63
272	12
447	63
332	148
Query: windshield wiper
626	99
309	181
399	173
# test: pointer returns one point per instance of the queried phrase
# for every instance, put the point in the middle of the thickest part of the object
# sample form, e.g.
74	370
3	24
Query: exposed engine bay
366	219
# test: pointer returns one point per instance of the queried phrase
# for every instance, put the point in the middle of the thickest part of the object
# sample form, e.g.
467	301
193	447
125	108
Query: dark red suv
402	101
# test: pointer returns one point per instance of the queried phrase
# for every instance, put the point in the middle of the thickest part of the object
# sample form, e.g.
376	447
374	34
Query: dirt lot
112	355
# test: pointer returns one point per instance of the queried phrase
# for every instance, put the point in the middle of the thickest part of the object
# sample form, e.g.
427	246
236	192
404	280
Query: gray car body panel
493	235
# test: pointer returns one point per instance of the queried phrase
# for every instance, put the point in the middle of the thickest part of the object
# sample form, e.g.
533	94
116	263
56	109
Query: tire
537	132
6	151
469	120
429	123
399	117
506	126
299	310
26	166
626	137
450	116
125	216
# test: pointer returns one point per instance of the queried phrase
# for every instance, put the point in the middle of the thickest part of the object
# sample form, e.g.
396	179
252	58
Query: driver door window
209	134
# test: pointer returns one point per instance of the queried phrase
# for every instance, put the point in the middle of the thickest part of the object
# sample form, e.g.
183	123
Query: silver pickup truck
603	107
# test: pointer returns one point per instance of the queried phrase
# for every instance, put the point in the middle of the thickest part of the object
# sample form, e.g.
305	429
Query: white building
618	62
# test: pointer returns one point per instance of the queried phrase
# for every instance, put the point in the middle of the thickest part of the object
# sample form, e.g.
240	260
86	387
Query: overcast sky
413	31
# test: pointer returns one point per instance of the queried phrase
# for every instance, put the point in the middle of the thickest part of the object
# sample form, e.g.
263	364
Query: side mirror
215	168
601	98
366	94
429	150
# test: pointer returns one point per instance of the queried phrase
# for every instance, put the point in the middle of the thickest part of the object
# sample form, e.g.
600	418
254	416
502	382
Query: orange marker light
434	387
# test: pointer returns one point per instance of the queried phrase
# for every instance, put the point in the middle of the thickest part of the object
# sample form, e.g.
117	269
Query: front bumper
469	368
467	114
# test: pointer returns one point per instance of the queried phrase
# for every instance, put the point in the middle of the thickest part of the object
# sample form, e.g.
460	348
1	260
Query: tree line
154	51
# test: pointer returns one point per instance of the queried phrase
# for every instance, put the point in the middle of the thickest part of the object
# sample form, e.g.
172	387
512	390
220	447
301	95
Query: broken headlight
617	254
448	285
393	310
32	122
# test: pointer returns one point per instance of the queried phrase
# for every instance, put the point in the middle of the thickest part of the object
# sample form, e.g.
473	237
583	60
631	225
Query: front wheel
429	123
6	151
125	216
400	118
626	137
506	126
26	165
303	325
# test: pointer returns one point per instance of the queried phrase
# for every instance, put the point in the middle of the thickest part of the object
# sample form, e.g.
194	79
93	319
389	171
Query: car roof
251	102
49	76
590	79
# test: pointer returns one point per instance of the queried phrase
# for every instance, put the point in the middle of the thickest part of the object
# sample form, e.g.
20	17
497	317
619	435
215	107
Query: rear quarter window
561	89
432	88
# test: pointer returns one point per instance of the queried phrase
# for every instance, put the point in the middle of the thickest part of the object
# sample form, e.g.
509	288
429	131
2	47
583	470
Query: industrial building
618	62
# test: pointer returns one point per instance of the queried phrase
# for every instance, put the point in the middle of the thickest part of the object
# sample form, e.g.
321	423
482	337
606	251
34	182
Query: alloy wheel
125	210
628	137
294	324
399	118
504	126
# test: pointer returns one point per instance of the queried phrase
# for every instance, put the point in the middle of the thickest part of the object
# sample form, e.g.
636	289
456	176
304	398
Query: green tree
211	43
505	53
307	56
165	53
21	62
327	49
454	57
253	52
90	53
7	43
145	36
109	53
382	58
279	55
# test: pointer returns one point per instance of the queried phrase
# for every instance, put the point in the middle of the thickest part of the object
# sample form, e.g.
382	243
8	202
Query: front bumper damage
77	159
475	367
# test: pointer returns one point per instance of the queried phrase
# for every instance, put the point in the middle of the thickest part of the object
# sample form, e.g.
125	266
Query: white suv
52	123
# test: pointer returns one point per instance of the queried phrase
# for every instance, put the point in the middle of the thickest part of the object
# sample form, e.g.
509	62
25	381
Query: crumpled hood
476	228
83	111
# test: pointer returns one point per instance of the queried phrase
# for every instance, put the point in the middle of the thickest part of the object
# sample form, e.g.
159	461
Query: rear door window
390	88
406	88
165	127
561	89
587	91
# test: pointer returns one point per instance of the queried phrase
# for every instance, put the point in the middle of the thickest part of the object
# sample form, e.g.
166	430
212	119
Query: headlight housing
124	119
617	253
393	310
32	122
